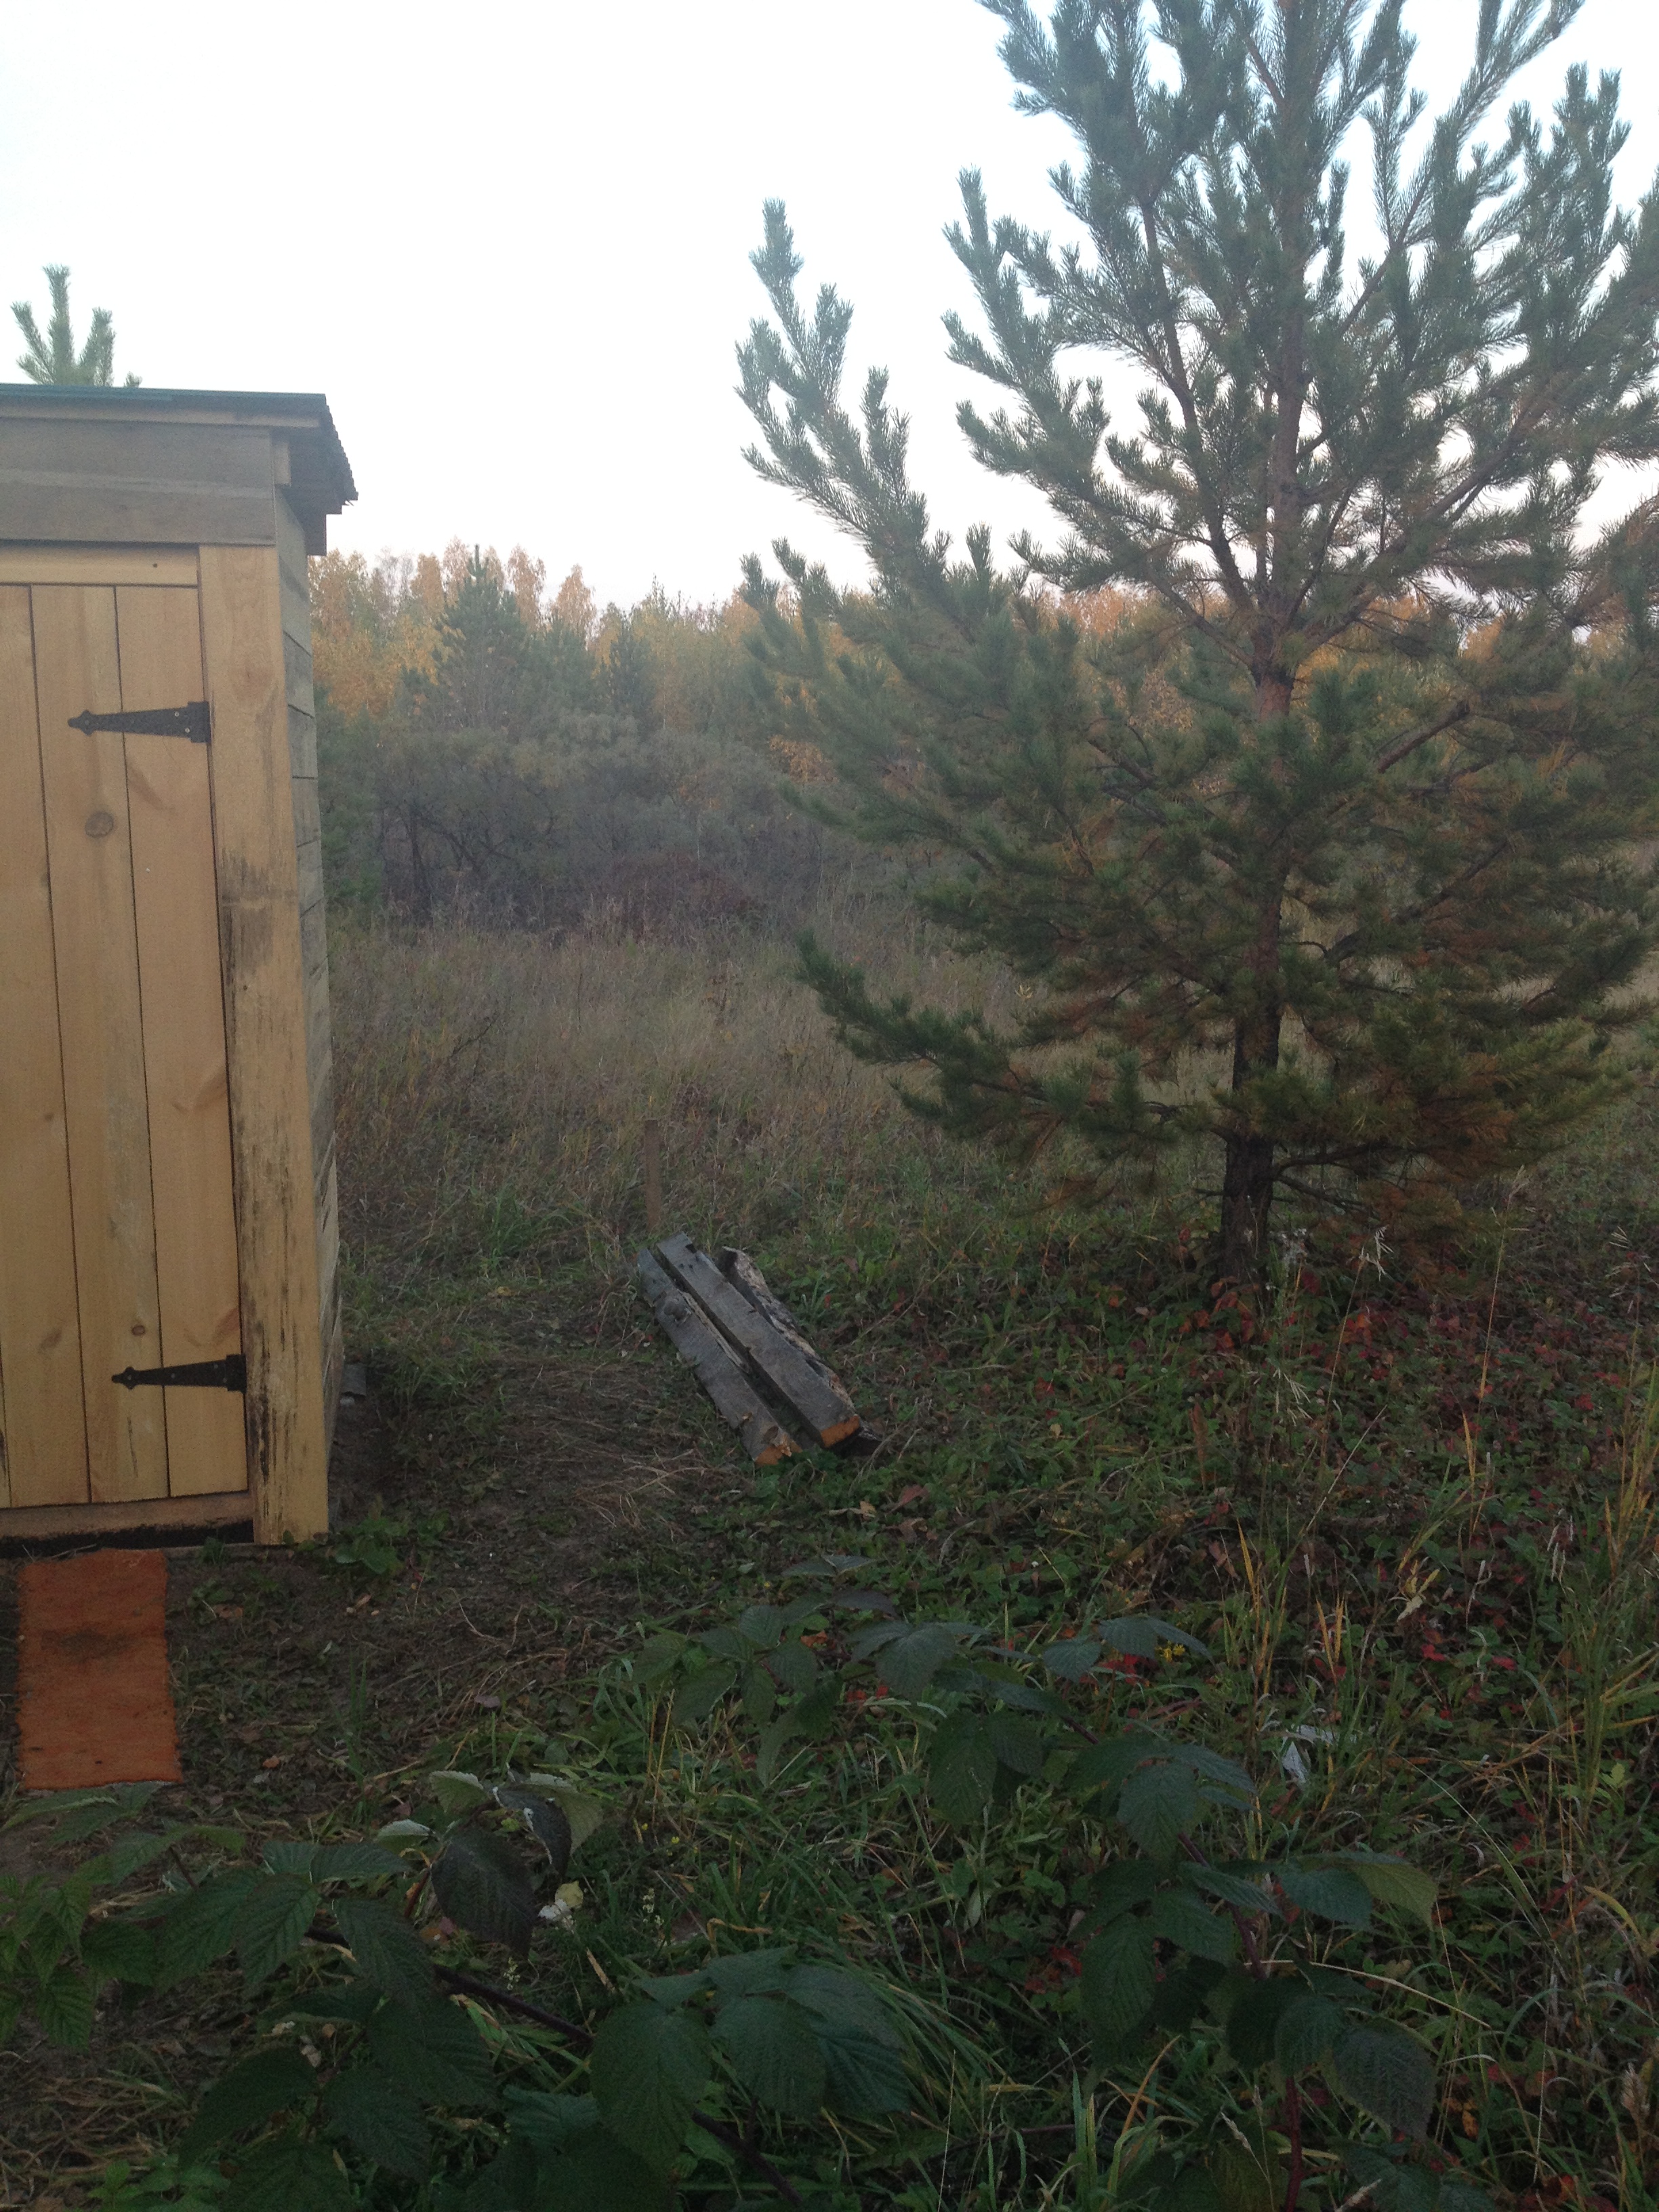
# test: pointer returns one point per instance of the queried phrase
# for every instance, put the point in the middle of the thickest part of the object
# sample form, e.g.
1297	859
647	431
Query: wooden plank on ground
177	909
739	1269
800	1377
89	852
714	1364
44	1461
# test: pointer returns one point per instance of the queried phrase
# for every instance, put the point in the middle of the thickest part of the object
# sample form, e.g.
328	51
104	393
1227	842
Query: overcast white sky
510	242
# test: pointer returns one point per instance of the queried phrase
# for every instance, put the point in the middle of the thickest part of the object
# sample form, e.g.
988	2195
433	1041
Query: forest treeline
491	745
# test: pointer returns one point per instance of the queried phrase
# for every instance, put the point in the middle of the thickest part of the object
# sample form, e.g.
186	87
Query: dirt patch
525	1523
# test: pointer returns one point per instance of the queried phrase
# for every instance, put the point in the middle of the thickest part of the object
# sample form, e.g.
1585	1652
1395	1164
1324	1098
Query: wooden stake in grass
653	1178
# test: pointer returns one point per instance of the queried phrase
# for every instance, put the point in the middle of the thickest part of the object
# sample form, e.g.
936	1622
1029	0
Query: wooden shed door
117	1231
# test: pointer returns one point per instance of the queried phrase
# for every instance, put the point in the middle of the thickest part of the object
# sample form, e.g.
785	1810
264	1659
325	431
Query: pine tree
492	671
52	359
1323	853
625	677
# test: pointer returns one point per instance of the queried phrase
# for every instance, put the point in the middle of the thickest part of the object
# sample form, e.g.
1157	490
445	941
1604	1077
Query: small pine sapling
1301	777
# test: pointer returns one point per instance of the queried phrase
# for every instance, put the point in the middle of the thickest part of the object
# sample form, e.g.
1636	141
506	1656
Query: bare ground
309	1692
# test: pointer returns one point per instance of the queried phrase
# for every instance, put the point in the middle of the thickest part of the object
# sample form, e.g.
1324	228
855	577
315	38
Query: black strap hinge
227	1374
191	721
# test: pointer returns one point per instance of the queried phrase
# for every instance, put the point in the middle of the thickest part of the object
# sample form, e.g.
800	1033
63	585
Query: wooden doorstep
216	1510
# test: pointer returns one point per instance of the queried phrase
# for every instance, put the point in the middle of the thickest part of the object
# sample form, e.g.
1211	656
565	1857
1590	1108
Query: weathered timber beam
714	1364
797	1374
739	1269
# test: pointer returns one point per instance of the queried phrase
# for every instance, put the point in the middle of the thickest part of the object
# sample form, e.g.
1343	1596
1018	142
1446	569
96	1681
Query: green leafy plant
390	2063
1183	1937
325	1933
399	2049
124	2188
381	1543
371	2041
791	2036
56	1948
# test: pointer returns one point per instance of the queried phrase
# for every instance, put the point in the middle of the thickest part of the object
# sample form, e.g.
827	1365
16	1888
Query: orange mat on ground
95	1704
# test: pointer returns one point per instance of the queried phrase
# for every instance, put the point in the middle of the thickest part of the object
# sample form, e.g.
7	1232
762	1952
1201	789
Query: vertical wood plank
89	854
333	1330
292	582
176	906
265	1033
43	1456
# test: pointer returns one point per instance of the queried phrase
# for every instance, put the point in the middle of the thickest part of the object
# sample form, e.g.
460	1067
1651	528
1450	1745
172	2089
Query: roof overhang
307	462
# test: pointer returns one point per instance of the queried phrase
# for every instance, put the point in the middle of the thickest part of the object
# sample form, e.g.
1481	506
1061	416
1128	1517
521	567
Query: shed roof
320	482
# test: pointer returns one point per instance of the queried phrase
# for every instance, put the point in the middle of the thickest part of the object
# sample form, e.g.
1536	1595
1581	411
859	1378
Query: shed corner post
266	1038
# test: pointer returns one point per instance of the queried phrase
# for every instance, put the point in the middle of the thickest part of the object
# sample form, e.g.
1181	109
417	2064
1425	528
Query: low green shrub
374	2044
1184	1934
388	2069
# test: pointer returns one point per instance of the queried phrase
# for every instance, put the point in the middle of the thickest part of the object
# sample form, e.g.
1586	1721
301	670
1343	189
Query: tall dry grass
490	1085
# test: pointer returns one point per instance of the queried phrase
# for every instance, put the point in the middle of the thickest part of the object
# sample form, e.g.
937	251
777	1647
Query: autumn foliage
489	742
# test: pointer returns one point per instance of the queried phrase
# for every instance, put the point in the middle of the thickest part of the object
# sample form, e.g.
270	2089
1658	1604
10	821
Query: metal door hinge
191	721
227	1374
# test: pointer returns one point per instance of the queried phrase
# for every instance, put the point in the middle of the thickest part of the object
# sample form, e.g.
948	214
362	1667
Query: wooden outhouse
170	1347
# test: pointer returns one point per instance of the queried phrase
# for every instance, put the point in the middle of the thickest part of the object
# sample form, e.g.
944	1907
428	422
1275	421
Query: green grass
1405	1502
1447	1631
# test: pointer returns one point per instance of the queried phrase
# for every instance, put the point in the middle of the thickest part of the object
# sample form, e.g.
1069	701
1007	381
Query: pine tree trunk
1246	1184
1247	1192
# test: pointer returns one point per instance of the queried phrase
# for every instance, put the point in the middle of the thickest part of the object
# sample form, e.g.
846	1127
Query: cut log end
838	1432
765	1443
